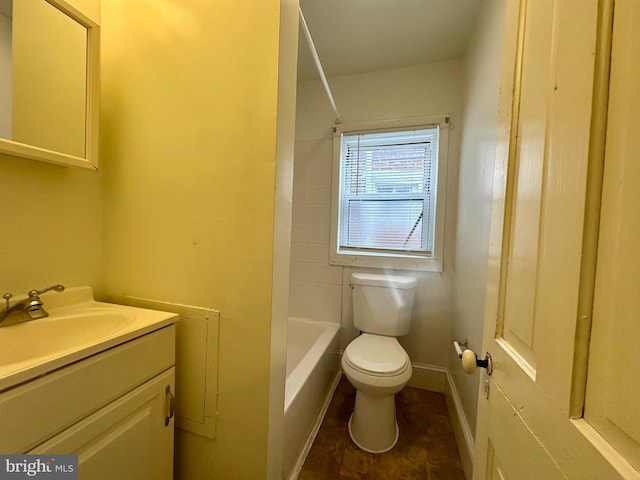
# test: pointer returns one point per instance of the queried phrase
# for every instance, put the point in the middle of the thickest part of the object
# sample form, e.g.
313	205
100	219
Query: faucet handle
7	296
36	293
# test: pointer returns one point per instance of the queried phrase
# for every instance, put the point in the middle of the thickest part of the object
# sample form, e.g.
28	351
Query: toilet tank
382	304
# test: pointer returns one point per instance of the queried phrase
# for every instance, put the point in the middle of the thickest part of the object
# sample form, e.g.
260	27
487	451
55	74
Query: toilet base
372	425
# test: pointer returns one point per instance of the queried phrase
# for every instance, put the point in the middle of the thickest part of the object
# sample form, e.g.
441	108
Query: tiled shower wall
315	286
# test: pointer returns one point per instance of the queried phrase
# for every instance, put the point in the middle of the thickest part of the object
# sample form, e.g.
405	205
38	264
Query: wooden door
613	382
543	245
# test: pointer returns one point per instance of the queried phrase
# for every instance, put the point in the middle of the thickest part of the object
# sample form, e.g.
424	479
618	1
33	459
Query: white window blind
387	191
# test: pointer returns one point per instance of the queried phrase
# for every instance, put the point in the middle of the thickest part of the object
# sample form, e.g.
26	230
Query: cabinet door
127	439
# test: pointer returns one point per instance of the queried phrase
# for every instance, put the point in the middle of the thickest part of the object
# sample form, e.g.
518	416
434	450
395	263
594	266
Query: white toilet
374	362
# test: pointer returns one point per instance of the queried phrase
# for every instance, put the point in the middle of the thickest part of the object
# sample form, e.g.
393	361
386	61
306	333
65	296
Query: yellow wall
188	153
50	224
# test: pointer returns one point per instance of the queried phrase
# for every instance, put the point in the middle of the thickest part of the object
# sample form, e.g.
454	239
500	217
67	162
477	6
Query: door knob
470	362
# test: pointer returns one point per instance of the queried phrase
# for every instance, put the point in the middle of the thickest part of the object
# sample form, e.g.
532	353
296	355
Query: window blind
387	191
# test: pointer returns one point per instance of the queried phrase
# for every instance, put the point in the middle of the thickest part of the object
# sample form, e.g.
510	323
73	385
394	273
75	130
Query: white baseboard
461	430
428	377
295	471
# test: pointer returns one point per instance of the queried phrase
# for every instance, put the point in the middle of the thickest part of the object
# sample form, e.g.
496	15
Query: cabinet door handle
172	401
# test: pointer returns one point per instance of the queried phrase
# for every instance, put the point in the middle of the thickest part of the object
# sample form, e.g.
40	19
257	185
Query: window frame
381	259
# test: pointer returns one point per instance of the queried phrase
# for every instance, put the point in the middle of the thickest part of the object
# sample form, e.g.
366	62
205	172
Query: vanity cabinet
114	409
126	439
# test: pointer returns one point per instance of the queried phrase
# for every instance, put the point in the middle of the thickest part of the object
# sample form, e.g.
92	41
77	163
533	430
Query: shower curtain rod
316	58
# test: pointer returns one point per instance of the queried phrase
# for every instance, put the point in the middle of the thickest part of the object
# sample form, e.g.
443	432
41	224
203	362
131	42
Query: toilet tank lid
377	280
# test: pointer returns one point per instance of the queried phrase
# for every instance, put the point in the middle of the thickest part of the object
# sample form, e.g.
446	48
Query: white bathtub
312	368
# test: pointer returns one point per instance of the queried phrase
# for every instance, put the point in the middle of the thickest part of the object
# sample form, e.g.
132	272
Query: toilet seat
376	355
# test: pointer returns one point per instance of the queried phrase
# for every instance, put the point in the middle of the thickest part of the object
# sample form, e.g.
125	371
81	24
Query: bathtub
312	372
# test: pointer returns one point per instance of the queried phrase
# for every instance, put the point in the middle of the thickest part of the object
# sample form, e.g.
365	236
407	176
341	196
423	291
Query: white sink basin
47	336
77	326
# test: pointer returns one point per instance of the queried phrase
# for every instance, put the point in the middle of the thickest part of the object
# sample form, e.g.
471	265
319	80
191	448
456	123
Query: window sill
392	262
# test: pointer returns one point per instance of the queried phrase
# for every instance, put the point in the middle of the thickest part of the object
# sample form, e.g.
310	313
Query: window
386	202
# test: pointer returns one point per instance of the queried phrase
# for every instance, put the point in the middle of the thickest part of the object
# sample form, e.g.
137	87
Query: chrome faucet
28	309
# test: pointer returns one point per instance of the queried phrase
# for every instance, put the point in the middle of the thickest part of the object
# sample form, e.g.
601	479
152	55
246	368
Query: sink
77	327
48	336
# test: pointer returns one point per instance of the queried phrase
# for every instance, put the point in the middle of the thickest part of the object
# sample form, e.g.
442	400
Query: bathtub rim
297	377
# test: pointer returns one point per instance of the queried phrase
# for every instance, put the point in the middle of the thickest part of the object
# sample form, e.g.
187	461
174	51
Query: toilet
375	363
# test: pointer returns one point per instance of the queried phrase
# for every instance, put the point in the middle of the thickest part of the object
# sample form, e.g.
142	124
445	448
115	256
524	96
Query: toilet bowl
378	367
374	362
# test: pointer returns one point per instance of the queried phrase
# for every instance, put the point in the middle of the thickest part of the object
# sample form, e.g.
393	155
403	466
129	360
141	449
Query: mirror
48	82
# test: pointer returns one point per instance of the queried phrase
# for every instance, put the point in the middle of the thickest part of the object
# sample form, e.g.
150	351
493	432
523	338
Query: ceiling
357	36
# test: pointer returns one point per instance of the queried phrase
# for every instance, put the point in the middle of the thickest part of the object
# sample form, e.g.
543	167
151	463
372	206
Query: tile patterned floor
426	449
